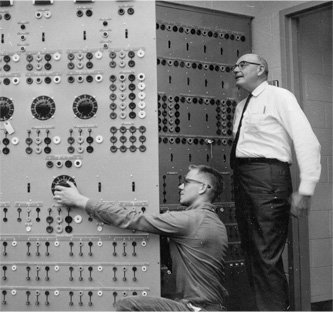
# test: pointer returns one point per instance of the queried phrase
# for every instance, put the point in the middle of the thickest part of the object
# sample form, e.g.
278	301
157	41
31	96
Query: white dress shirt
272	123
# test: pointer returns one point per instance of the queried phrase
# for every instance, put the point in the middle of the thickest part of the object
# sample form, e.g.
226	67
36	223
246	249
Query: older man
198	241
266	125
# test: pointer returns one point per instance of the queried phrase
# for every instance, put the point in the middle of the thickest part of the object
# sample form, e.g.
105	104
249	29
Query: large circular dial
61	180
43	107
85	106
6	108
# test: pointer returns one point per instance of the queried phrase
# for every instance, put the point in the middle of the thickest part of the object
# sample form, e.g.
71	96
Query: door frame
298	241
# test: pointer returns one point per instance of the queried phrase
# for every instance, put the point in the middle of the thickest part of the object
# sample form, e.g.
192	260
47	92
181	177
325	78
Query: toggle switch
114	297
47	245
80	246
114	244
37	297
80	296
134	246
37	211
28	293
80	274
71	298
4	269
71	244
37	273
37	247
47	269
28	248
134	269
124	276
124	249
71	269
114	269
90	269
47	293
90	294
4	250
5	210
19	210
4	294
90	244
28	273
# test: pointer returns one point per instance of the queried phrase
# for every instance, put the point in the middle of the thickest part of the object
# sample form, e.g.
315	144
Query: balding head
257	59
251	71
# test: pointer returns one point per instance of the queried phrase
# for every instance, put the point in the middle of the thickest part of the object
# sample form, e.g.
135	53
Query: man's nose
181	186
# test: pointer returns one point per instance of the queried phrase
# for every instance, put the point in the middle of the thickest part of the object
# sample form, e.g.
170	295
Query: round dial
85	106
6	108
61	180
43	107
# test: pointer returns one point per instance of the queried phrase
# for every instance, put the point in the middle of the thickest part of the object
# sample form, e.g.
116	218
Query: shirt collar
206	205
260	88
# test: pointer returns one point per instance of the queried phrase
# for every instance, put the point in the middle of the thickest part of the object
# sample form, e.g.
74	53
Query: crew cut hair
215	178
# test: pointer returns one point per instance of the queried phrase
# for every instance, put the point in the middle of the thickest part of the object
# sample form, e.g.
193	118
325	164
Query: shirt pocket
256	122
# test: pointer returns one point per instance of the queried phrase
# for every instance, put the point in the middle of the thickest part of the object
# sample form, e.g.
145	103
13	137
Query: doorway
306	44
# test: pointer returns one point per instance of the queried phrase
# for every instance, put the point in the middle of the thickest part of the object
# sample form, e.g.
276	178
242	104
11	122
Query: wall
265	25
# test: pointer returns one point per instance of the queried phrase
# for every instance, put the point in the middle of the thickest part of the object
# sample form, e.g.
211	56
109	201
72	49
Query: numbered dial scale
43	107
61	180
6	108
85	106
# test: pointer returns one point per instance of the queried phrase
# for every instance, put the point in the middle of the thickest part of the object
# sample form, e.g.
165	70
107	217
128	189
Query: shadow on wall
322	306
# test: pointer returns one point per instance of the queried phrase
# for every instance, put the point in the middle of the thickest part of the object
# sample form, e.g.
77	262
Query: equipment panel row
59	299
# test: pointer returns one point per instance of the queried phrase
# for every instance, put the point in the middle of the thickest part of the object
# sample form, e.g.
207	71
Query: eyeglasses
188	181
241	65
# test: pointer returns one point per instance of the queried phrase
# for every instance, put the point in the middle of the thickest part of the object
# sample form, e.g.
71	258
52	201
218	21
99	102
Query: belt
246	160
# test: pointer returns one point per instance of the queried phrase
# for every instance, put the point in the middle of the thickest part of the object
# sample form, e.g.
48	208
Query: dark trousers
262	194
140	303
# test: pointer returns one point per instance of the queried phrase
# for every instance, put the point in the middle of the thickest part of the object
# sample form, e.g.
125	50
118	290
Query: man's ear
203	189
261	70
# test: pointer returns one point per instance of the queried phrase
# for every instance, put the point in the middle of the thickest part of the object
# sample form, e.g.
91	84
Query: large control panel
78	103
118	97
196	49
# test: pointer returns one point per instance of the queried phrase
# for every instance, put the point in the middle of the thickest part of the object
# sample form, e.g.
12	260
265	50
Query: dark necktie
234	144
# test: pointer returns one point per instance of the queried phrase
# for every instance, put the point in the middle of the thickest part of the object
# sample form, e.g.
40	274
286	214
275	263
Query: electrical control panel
197	95
78	103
